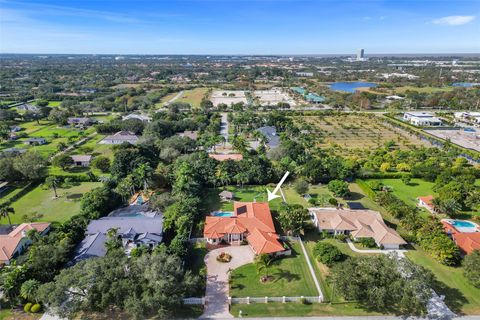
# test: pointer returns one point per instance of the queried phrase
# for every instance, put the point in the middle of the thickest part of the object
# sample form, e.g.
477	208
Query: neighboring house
15	242
468	116
3	186
136	226
15	128
422	119
226	195
28	107
358	224
35	141
466	238
80	122
225	157
81	160
120	137
10	151
427	203
251	221
140	117
189	134
270	133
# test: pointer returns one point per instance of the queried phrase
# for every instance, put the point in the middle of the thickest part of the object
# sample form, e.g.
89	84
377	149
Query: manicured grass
409	193
460	295
290	277
41	202
259	193
277	309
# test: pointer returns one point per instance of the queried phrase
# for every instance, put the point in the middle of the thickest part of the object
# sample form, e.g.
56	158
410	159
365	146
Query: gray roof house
140	117
120	137
80	122
271	134
35	141
27	107
136	225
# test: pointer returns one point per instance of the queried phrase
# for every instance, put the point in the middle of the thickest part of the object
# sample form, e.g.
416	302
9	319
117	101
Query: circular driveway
216	297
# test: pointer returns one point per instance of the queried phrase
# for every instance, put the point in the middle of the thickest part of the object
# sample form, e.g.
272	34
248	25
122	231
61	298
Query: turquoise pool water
351	86
463	225
222	214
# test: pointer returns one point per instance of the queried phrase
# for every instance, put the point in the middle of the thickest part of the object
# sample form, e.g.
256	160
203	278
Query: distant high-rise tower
360	54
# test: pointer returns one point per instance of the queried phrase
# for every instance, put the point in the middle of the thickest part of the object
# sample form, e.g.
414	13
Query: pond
351	86
465	84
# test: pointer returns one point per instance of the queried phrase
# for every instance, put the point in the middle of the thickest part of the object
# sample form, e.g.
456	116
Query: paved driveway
216	298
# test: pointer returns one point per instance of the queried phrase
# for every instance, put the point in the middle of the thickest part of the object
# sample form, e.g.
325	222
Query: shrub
333	201
375	185
341	237
368	242
35	308
327	253
301	186
224	257
27	307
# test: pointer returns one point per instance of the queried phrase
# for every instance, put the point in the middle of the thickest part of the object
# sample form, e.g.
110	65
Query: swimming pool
222	214
463	225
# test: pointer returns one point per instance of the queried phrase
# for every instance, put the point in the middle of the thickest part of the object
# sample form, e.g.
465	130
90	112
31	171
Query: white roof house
422	118
120	137
140	117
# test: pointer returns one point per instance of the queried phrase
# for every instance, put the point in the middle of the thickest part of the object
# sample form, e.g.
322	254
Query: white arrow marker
273	195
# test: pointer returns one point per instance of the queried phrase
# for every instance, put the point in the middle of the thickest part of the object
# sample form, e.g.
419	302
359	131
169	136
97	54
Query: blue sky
239	27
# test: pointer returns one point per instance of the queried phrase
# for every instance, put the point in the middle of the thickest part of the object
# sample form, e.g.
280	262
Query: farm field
290	275
40	203
193	97
350	132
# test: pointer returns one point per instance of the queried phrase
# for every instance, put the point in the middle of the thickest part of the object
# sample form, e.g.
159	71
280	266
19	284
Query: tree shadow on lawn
74	196
454	298
355	196
285	274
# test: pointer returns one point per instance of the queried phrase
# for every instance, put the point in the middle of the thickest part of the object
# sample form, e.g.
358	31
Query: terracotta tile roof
361	223
467	242
264	242
253	218
10	242
224	157
428	200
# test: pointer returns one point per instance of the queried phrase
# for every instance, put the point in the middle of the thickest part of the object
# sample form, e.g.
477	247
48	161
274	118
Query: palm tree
29	289
263	262
143	173
51	182
6	211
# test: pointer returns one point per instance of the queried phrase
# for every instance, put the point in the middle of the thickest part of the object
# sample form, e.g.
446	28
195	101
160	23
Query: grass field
460	295
354	131
422	90
259	193
409	193
40	203
277	309
290	276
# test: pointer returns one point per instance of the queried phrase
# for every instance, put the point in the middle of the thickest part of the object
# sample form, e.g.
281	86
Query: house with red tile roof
251	221
225	157
427	203
467	242
15	242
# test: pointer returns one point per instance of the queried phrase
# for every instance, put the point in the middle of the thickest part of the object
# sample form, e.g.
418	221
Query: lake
351	86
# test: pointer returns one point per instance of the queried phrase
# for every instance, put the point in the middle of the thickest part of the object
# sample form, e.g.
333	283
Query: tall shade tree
52	182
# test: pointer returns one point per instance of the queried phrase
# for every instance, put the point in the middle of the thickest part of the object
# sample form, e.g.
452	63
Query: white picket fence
248	300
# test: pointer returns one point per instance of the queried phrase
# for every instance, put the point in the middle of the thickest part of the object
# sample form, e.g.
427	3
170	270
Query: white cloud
454	20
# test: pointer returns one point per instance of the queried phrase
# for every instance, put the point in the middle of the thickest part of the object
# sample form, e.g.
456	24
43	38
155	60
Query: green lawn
278	309
460	295
259	193
409	193
39	202
290	277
